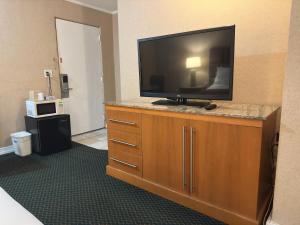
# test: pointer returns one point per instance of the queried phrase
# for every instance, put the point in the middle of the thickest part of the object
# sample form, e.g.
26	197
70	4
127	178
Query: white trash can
22	143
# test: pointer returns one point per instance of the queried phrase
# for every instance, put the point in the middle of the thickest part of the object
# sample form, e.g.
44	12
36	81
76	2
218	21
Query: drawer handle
122	142
121	121
125	163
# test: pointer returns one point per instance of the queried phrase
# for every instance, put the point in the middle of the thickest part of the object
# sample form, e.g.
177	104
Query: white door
79	49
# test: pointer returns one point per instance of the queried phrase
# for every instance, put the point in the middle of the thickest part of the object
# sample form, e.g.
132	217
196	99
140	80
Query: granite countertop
243	111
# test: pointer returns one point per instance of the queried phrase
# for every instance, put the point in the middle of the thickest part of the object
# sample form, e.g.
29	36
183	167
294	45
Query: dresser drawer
123	120
124	141
126	162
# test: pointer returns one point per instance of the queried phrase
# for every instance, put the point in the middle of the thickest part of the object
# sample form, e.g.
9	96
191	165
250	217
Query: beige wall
28	45
117	56
287	187
261	39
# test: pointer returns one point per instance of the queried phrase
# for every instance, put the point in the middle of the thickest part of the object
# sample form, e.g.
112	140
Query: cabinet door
54	133
163	144
225	165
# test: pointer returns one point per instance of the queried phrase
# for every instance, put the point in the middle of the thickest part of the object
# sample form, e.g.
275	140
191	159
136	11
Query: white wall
286	210
261	39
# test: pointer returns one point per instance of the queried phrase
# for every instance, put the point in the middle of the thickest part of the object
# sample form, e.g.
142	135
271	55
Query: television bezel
189	96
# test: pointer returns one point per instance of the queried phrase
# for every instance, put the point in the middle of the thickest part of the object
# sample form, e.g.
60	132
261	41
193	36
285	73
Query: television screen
197	64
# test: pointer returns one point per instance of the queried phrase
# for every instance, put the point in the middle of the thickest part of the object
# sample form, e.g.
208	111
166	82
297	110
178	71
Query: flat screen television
190	65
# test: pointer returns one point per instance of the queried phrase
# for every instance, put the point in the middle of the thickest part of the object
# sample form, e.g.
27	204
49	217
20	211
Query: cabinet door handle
124	163
183	158
122	142
191	159
122	121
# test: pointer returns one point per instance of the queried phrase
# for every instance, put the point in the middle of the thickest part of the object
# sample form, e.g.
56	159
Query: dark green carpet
71	188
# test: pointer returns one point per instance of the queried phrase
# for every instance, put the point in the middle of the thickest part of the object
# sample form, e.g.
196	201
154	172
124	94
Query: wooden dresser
216	162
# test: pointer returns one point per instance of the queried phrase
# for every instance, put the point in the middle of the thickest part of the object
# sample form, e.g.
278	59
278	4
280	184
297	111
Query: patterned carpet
71	188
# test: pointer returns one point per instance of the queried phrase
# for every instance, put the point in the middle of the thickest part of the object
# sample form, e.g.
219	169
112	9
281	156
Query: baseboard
6	150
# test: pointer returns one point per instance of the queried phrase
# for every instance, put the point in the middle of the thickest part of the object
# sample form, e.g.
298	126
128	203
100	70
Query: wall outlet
48	72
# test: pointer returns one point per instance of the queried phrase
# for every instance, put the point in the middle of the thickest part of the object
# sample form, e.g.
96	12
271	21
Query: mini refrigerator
49	134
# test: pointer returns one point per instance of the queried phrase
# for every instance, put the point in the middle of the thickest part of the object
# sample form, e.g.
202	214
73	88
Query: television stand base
181	101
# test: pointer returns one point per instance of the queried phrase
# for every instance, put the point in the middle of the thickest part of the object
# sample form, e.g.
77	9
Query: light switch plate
48	71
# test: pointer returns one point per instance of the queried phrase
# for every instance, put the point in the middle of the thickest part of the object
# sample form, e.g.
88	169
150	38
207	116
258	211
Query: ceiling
102	5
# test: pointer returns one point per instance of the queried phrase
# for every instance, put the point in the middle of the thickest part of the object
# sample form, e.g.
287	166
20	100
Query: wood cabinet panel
226	161
124	161
162	144
219	166
124	141
123	121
